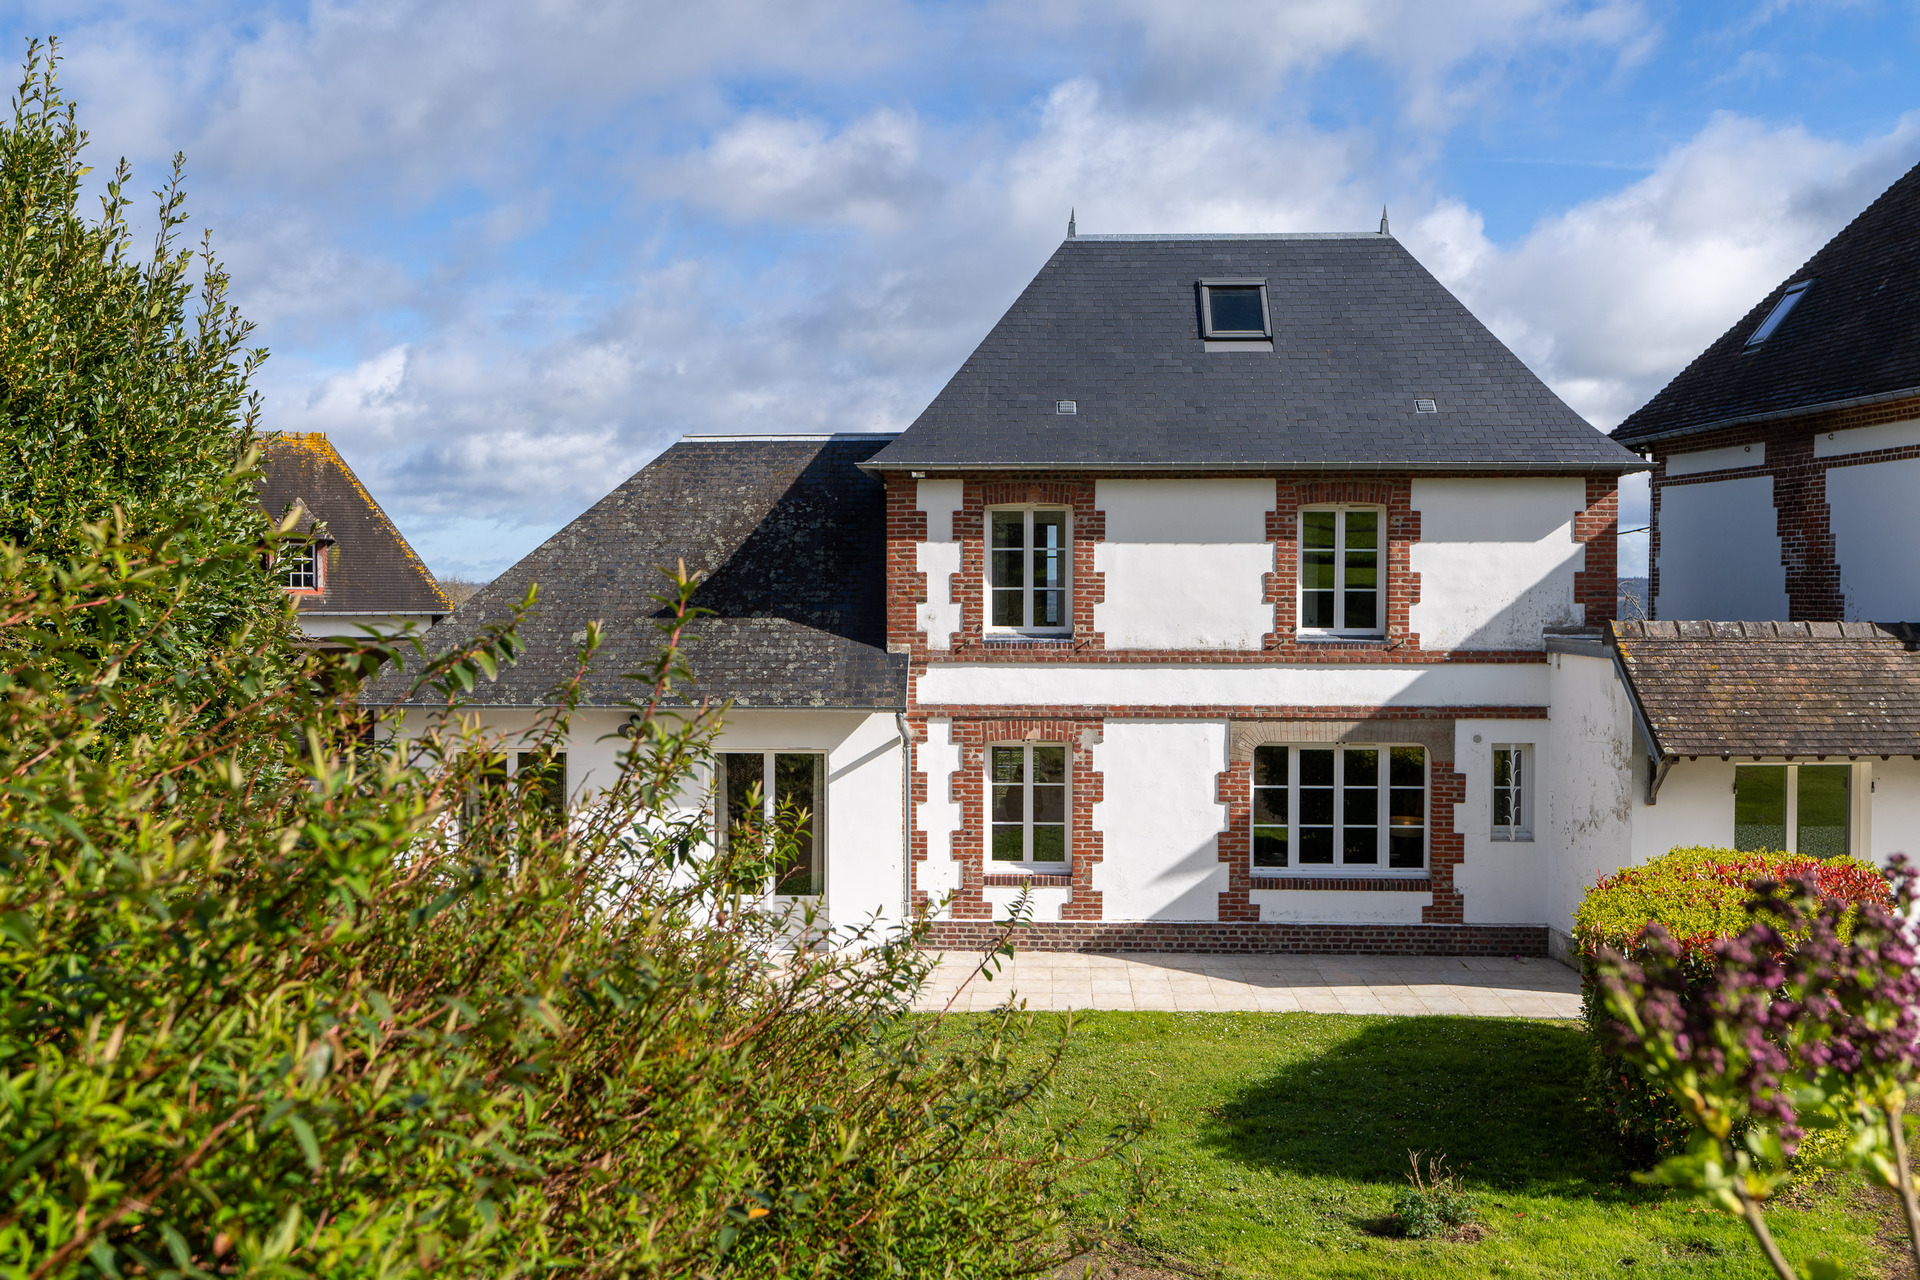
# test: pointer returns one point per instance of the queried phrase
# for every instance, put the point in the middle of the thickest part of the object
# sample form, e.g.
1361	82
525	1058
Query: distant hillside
1632	598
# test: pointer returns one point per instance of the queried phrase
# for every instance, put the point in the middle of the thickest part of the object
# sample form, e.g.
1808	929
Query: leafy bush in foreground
1692	899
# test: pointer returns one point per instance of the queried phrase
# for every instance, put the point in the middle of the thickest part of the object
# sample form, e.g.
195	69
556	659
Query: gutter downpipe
906	817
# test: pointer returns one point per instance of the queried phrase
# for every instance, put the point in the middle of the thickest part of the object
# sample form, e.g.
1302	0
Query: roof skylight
1234	309
1781	309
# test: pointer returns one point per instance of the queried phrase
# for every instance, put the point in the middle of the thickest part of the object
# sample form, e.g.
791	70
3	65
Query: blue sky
505	252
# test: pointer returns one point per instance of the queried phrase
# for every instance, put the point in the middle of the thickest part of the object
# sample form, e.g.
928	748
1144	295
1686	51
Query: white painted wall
1185	563
1046	902
1876	526
1888	435
1496	560
1587	825
939	558
1339	906
1895	801
1505	881
1720	552
938	815
1725	459
1695	807
353	626
1277	684
1158	820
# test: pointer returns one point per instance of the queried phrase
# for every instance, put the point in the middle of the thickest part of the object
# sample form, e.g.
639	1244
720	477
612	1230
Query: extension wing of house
346	565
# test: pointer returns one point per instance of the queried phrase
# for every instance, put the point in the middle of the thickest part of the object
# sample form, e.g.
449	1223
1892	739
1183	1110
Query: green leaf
303	1133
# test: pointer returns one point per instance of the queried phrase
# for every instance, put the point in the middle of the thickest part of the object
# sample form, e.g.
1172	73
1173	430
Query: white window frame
310	557
1791	808
1027	862
1027	588
1341	510
769	804
1520	788
1383	811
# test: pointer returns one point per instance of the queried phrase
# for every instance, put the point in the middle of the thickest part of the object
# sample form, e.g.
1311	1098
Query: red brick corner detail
1084	788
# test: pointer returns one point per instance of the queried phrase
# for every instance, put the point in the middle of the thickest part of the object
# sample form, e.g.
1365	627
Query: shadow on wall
1503	1100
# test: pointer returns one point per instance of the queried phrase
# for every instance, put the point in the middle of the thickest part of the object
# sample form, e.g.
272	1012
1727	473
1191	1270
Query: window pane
1049	608
1269	766
1269	846
1316	767
1049	803
1362	615
1316	806
1049	548
1821	823
1316	609
1006	844
1008	609
546	775
1361	846
1406	807
796	787
742	770
1502	771
1269	806
1363	768
1049	844
1363	529
1316	845
1049	764
1360	807
1008	764
1404	850
1009	530
1009	804
1502	807
1760	806
1008	567
1316	571
1316	528
1408	767
1236	309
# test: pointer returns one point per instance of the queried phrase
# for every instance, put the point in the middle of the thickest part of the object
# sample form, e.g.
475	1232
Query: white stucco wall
1698	461
939	558
355	625
1695	806
1504	881
1587	828
1185	563
1895	809
1277	684
1339	906
1887	435
1720	552
938	815
1496	560
1159	819
1046	901
1876	526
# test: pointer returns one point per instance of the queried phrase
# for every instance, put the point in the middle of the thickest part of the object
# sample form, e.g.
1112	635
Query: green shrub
1432	1203
1699	894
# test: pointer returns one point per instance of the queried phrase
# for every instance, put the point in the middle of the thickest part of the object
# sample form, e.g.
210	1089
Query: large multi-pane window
1340	571
1029	804
1796	808
760	788
1362	808
1027	569
1513	792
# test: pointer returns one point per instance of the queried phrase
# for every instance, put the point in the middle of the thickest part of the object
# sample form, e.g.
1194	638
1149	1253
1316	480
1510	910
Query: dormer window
298	566
1781	310
1233	310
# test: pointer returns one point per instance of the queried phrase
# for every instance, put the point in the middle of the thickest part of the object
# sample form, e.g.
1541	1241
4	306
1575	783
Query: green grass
1281	1139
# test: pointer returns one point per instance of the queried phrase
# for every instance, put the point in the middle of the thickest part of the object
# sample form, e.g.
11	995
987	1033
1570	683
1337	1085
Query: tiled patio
1460	986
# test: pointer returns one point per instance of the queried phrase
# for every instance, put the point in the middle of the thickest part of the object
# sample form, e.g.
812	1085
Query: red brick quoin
1084	790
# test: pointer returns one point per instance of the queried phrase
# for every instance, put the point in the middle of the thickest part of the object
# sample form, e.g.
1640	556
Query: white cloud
794	170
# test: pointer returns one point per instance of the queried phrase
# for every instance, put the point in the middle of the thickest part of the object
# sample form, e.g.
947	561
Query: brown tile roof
1775	688
370	567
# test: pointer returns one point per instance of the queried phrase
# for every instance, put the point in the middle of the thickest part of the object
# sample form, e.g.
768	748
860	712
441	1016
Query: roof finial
1072	231
1383	221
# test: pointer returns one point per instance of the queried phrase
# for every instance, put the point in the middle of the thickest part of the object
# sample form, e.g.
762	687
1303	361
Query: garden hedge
1700	894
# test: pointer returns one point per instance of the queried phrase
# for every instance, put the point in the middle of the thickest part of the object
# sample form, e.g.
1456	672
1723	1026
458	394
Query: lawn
1281	1139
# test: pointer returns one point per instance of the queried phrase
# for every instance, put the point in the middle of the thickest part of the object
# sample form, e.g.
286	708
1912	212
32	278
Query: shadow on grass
1504	1100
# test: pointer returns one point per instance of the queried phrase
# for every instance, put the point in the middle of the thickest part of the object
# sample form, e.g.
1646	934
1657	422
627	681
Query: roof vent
1781	309
1066	406
1425	406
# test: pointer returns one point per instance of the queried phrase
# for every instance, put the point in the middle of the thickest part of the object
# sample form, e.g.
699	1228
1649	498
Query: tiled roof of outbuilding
370	568
790	537
1360	332
1775	688
1853	338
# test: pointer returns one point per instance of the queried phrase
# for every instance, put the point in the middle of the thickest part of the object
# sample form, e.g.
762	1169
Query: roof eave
1775	415
1148	468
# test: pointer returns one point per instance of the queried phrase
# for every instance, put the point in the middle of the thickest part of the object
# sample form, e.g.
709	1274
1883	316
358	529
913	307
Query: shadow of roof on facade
370	568
1852	337
1810	689
1372	365
789	537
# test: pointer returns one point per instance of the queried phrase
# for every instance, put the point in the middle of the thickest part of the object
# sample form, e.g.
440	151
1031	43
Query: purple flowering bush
1808	1018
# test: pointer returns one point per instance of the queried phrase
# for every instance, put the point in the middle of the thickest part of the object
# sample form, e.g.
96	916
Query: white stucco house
1237	593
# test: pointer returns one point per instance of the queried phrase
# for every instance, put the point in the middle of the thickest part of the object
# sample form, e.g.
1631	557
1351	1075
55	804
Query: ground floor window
1362	808
1795	808
546	774
1513	792
1029	805
758	787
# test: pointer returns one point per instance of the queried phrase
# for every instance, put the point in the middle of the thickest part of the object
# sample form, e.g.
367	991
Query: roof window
1234	309
1781	310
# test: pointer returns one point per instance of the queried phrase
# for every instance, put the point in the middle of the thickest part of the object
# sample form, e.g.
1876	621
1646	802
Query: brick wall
969	790
1808	559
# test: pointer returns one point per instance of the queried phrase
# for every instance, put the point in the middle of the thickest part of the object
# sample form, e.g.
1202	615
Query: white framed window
1029	553
1234	309
297	565
756	786
1793	808
1341	571
1339	810
1512	791
1027	787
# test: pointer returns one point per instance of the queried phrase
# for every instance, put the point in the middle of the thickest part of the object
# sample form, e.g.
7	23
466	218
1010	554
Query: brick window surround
969	790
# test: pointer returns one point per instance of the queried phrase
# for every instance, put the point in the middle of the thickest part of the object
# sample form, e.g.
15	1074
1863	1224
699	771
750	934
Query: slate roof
370	568
1775	688
1360	332
1854	338
790	536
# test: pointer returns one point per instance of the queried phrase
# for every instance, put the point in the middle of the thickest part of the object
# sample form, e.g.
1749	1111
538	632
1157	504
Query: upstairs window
297	565
1027	570
1355	809
1340	578
1231	309
1781	310
1030	805
1512	792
